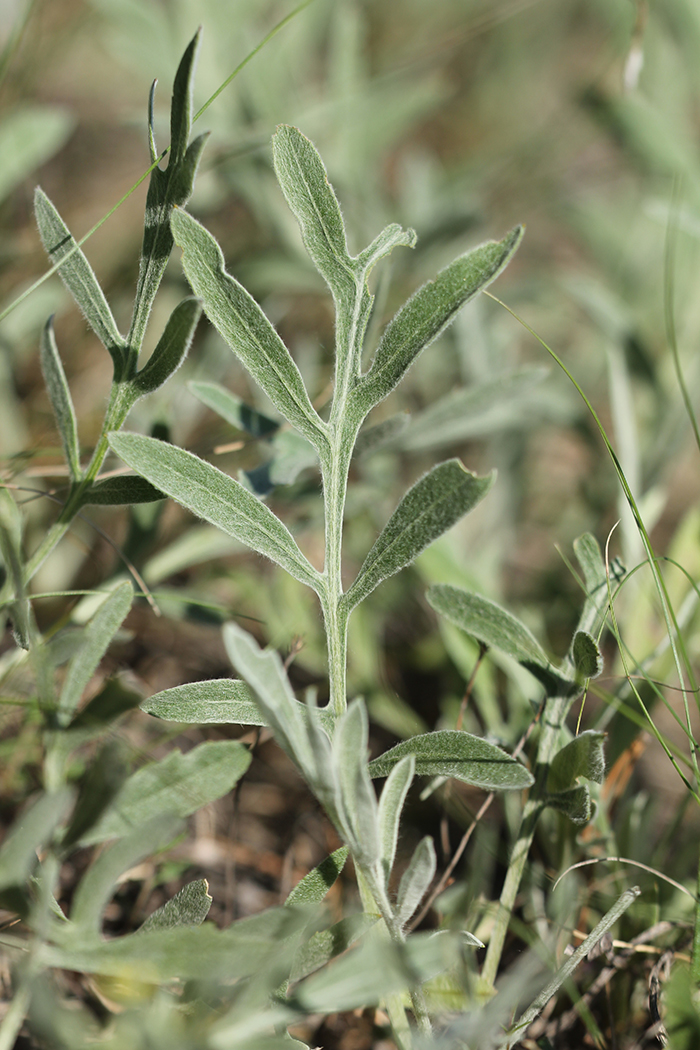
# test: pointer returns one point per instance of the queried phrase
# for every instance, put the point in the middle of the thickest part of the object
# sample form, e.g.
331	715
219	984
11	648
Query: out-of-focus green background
458	118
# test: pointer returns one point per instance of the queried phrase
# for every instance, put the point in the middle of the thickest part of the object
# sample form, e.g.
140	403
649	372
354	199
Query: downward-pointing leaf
216	497
494	626
98	634
177	784
61	401
77	274
438	500
449	753
428	312
244	326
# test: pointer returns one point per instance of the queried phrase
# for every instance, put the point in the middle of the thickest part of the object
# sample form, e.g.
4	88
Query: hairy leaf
121	490
30	833
171	349
98	634
220	701
434	504
177	784
325	945
428	312
189	907
60	398
314	886
244	326
494	626
233	409
358	802
449	753
581	757
416	879
588	659
391	803
575	803
77	274
214	496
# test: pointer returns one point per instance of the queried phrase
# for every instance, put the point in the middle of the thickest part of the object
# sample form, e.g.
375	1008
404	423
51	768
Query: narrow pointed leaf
428	312
60	398
29	834
313	887
177	784
97	885
171	349
181	180
434	504
588	659
98	634
181	105
219	702
449	753
233	409
497	628
392	236
122	490
189	907
359	802
302	175
77	274
244	326
214	496
581	757
391	803
416	879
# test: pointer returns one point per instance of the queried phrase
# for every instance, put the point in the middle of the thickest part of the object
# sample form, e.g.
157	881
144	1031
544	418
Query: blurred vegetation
459	118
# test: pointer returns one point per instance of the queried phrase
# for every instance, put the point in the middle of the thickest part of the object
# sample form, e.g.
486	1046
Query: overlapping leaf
449	753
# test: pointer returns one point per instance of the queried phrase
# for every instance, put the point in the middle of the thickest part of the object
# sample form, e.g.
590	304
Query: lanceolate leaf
391	803
216	497
449	753
302	175
327	944
416	879
61	401
220	701
314	886
122	489
189	907
428	312
494	626
181	105
177	784
438	500
171	349
244	326
233	409
98	634
77	274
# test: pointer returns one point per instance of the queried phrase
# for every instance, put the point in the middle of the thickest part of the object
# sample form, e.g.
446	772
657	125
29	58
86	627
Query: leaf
264	673
187	953
103	780
29	136
581	757
428	312
189	907
60	398
449	753
233	409
97	885
220	701
314	886
216	497
489	623
177	784
435	503
112	701
588	659
359	802
181	104
98	634
596	581
302	176
32	830
575	803
391	804
371	438
122	490
471	411
325	945
392	236
77	275
416	879
291	453
171	349
244	326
